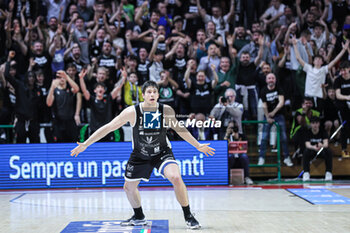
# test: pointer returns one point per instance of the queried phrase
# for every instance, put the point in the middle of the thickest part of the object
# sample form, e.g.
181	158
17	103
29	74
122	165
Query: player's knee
129	188
175	178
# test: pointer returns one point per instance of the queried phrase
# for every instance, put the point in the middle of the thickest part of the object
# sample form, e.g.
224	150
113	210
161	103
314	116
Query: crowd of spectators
73	63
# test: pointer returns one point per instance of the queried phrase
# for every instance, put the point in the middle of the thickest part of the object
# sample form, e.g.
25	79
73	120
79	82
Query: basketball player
151	148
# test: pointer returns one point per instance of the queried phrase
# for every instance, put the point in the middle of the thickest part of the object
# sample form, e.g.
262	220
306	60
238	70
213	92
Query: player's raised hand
206	149
77	150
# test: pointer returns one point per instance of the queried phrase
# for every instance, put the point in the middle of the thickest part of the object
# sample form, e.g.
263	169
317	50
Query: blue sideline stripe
18	197
109	226
320	196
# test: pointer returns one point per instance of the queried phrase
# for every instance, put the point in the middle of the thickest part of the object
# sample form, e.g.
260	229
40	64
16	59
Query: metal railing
278	164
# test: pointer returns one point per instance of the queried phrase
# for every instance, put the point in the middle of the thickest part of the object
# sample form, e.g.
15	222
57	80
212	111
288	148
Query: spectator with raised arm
100	103
221	22
62	98
316	75
274	12
26	123
213	58
201	91
246	79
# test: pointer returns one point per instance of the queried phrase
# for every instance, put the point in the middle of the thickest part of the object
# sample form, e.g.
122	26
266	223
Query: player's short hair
149	84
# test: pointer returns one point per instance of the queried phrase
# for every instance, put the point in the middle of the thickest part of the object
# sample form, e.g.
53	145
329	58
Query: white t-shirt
272	11
314	79
320	41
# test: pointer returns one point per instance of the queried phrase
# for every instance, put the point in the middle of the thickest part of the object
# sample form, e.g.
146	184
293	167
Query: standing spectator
100	103
183	91
221	22
253	48
246	79
56	51
201	91
274	12
227	77
45	112
342	91
132	93
81	37
167	89
192	17
176	60
239	37
315	140
316	75
320	34
42	60
85	11
165	19
108	60
73	55
156	58
142	63
212	36
273	102
199	47
62	99
213	58
26	123
54	8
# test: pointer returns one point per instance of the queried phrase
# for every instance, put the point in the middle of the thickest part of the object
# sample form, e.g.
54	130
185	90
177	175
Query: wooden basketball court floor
218	209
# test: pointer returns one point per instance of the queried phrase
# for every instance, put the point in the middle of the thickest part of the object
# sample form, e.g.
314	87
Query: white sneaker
261	161
288	162
248	181
328	176
306	176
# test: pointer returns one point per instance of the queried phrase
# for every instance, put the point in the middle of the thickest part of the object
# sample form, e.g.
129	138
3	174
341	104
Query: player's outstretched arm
171	121
125	116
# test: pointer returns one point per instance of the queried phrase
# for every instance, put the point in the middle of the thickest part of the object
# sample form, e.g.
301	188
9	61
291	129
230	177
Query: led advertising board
101	165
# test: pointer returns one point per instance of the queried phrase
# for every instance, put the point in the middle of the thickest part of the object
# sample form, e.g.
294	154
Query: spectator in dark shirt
201	91
246	79
167	89
317	142
331	116
62	97
26	123
342	91
273	102
100	103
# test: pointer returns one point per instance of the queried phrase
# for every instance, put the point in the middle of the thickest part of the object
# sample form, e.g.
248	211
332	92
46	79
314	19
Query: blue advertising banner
101	165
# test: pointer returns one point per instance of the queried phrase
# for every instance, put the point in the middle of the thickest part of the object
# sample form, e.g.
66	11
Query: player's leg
133	195
136	170
172	173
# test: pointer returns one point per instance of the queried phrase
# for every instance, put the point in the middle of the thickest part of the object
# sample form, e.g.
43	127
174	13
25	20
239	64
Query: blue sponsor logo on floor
320	196
113	226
